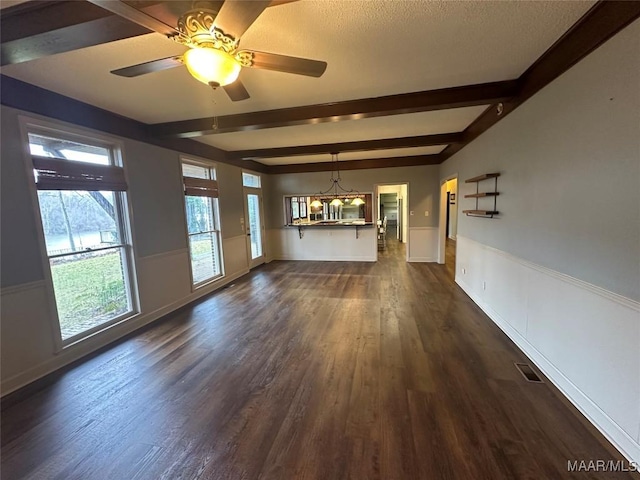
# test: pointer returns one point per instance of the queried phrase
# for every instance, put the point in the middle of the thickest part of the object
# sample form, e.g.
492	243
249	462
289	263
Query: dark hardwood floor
306	370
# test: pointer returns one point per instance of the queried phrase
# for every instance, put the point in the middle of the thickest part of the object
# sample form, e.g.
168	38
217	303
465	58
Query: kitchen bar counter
357	224
332	223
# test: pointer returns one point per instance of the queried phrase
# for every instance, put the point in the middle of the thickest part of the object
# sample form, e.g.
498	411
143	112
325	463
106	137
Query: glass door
255	229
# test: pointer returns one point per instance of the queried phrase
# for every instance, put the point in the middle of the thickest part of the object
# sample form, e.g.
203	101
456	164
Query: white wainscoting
323	244
585	339
155	286
27	335
235	256
423	244
164	285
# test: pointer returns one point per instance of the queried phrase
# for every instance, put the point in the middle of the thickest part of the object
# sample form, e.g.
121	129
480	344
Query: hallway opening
392	215
448	223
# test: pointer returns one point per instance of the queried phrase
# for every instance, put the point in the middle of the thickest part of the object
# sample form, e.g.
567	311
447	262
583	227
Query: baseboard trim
334	259
421	260
94	343
605	424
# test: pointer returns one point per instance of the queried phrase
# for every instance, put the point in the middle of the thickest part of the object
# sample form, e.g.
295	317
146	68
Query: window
201	203
81	189
250	180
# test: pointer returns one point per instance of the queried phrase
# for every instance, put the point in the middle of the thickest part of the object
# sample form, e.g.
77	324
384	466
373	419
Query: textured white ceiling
407	125
372	48
325	157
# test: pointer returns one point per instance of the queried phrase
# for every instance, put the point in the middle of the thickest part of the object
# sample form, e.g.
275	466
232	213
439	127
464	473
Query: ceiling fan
213	38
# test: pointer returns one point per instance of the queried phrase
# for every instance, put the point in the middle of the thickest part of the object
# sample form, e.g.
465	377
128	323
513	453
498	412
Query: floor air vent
528	373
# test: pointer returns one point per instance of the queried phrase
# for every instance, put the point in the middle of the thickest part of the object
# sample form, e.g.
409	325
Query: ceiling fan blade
236	16
283	63
236	91
149	67
136	16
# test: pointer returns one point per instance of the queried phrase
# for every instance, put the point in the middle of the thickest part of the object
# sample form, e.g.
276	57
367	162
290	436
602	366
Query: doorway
254	227
392	216
448	224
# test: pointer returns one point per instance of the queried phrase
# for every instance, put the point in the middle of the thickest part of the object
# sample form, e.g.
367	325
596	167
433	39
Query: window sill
206	283
96	331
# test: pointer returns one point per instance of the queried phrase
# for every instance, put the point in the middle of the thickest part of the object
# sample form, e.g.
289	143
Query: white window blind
200	187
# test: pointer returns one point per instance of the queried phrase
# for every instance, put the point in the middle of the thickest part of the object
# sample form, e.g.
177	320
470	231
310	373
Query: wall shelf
478	212
479	178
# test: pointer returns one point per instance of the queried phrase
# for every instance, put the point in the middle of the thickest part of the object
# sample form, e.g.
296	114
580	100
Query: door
254	228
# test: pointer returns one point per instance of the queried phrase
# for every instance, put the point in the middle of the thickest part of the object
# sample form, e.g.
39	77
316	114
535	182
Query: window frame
37	126
215	207
253	174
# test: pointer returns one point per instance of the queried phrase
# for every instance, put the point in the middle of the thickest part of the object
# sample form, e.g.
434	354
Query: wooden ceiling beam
49	33
34	18
29	98
38	29
361	146
357	164
604	20
445	98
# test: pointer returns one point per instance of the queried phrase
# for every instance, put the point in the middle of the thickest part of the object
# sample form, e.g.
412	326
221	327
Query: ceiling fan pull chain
215	124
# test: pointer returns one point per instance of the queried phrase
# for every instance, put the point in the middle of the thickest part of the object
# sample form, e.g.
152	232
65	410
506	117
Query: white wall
559	269
161	255
423	192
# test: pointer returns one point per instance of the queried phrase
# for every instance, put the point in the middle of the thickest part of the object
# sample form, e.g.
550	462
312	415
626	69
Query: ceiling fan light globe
211	66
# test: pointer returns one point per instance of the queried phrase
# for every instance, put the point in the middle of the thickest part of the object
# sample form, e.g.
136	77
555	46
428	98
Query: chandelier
338	192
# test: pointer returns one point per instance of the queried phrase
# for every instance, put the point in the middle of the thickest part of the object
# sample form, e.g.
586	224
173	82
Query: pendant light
336	190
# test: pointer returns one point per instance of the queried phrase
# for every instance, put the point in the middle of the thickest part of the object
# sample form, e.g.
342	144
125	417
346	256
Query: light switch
426	213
